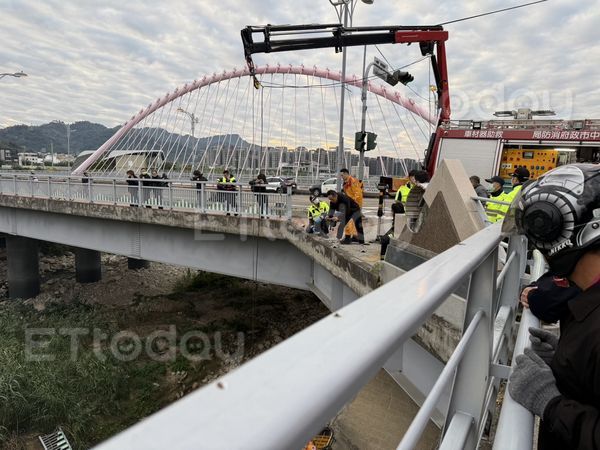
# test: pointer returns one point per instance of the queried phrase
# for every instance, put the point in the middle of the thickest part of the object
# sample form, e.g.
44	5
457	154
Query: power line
492	12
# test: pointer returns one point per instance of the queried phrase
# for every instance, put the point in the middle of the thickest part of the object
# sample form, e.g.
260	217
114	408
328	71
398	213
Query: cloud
104	61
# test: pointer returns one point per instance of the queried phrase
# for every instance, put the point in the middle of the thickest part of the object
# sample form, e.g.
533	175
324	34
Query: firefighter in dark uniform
558	379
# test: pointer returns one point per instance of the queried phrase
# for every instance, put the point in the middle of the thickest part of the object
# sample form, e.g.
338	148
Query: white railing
151	193
284	396
515	427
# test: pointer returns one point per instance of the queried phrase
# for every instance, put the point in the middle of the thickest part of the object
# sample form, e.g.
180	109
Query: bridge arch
377	89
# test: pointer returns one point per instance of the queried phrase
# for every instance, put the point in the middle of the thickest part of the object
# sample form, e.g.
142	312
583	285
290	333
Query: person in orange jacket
353	188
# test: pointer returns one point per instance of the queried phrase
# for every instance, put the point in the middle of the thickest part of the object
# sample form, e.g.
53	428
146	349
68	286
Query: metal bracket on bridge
500	371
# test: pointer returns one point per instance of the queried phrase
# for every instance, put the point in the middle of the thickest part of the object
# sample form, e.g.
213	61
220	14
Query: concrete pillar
135	264
88	268
23	267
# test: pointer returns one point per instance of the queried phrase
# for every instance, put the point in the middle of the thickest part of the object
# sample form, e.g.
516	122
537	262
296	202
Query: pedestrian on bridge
559	379
496	211
402	194
146	186
133	188
259	187
350	211
200	182
479	189
157	187
227	183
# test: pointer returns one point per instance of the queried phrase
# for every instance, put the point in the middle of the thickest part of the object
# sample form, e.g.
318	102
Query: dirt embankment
144	339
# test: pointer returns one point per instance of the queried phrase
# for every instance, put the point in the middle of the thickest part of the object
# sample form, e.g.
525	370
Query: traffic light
371	141
359	140
400	76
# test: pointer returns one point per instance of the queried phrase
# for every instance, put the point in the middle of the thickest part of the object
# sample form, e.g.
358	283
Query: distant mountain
90	136
84	136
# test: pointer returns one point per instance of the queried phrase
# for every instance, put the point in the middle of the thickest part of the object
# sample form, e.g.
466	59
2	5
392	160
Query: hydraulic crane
431	39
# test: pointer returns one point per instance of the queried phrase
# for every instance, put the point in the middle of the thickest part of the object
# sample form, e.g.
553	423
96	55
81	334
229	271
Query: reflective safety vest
315	211
495	211
227	182
402	192
512	194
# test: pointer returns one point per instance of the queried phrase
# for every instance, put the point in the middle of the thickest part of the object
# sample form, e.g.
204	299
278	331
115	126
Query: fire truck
497	147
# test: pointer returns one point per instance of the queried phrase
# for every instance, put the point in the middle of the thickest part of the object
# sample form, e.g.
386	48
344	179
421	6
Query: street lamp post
16	74
345	16
192	116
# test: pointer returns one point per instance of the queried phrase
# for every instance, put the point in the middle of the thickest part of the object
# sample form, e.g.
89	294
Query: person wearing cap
519	176
496	211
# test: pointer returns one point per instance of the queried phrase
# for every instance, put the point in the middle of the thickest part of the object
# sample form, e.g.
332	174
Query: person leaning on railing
200	179
560	215
227	183
259	187
496	211
133	188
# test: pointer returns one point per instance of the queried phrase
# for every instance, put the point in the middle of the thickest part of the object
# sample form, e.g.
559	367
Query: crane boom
275	38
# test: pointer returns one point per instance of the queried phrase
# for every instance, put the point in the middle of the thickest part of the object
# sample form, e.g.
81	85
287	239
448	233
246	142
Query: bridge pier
88	267
23	267
136	264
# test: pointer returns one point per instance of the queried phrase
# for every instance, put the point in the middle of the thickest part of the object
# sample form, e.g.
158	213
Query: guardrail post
140	201
69	188
472	376
170	195
91	199
15	183
240	198
49	189
203	197
511	285
288	206
32	183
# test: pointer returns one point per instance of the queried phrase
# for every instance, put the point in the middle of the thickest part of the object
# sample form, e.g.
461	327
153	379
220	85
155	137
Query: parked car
323	187
280	184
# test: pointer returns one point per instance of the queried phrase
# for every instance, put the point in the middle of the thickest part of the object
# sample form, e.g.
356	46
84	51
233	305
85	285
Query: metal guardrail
515	427
284	396
170	194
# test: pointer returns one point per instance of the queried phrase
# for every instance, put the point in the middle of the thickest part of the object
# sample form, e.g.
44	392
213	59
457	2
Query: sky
103	61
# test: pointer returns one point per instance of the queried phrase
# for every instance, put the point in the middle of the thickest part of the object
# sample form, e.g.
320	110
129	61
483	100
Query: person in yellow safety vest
317	214
227	183
519	176
402	194
496	211
353	188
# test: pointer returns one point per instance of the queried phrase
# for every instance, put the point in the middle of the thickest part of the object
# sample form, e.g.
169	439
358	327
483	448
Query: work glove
532	383
543	343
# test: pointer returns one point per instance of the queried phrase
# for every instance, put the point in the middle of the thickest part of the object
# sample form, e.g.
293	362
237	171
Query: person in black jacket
200	179
133	188
259	187
565	393
146	186
349	210
158	187
548	297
